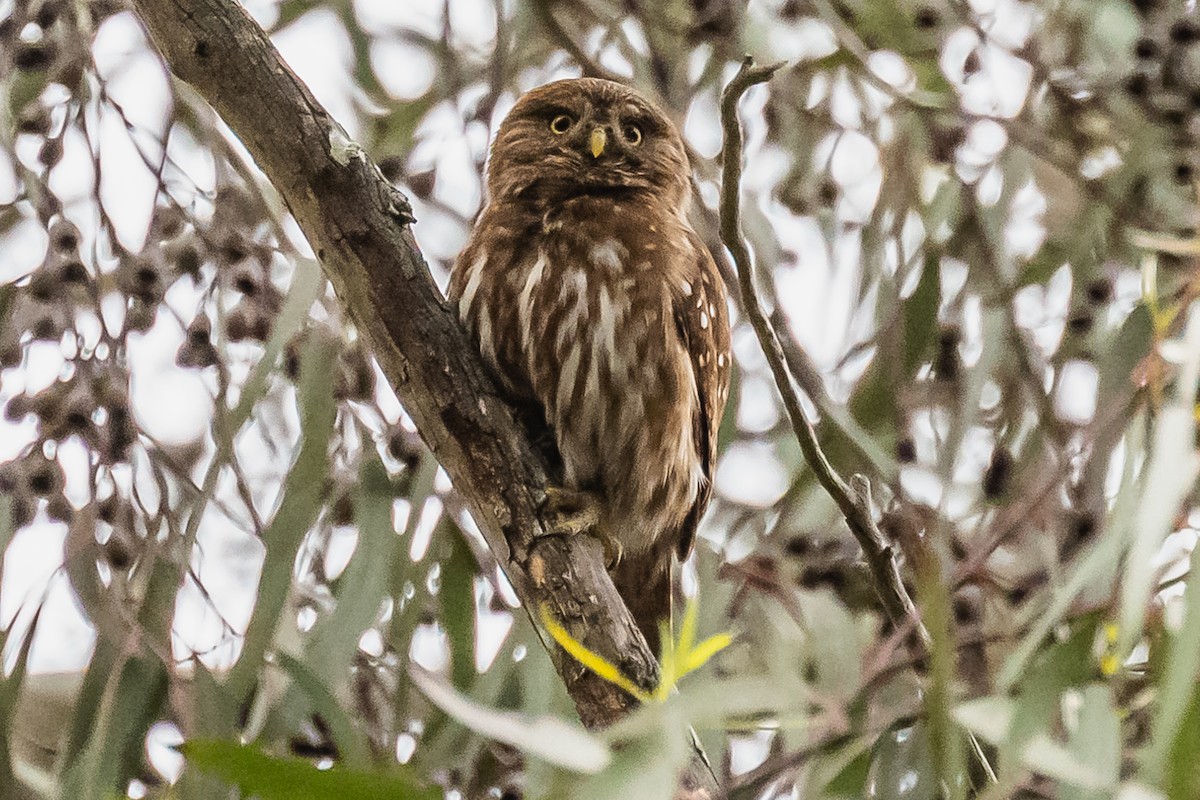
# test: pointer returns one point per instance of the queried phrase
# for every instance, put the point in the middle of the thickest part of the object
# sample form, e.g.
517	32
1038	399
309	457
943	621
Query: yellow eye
561	124
633	134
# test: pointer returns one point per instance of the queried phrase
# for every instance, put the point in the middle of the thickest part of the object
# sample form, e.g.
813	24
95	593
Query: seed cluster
1165	82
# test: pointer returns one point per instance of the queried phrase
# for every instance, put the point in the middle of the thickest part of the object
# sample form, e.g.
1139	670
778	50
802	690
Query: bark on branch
358	225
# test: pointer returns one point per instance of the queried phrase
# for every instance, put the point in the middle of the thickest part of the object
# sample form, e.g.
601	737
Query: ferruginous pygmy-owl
601	312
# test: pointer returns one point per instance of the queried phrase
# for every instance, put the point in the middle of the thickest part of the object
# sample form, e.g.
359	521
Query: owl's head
587	136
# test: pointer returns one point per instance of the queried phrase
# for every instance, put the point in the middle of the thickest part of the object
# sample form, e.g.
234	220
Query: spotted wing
702	320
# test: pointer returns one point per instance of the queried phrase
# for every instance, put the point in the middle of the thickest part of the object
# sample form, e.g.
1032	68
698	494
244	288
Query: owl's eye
561	124
633	134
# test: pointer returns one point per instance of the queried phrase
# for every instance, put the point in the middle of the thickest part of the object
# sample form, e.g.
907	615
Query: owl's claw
570	512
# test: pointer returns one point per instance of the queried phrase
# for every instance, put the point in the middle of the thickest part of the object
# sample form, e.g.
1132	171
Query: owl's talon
570	512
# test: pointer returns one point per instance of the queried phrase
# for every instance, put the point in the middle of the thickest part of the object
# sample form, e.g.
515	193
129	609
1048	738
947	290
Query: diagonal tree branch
358	225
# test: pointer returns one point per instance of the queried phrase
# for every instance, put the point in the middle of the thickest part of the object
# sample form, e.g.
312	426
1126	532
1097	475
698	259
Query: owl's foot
570	512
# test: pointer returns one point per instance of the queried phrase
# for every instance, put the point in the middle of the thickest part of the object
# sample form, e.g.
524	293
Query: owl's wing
702	320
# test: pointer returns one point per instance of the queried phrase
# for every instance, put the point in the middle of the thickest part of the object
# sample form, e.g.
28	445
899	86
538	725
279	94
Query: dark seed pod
1080	323
185	257
44	287
47	13
1138	85
404	446
356	378
51	152
75	411
341	512
197	349
72	271
247	278
944	141
121	548
144	277
966	610
234	249
43	476
35	119
392	168
45	321
34	56
248	322
926	18
1100	291
139	316
972	64
1147	48
906	450
167	224
946	363
1185	32
1080	530
998	475
792	9
58	508
120	434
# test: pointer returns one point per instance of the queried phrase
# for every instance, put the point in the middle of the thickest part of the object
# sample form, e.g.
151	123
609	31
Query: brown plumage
601	312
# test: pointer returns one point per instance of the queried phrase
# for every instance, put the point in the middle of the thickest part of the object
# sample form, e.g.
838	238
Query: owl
603	317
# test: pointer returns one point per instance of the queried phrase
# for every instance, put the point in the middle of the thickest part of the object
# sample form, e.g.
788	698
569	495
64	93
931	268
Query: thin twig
853	498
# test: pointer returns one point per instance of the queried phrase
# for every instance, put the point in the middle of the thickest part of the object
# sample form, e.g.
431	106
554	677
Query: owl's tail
644	583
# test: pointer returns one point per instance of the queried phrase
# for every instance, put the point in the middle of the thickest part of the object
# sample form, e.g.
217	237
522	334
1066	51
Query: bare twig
853	498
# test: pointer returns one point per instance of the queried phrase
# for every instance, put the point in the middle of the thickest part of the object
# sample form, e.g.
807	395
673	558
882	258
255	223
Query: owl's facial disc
587	136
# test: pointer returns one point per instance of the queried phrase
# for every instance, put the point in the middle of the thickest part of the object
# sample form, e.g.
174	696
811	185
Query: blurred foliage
978	220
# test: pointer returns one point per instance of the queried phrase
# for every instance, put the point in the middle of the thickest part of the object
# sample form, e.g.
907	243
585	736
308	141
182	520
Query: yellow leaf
706	650
677	658
596	663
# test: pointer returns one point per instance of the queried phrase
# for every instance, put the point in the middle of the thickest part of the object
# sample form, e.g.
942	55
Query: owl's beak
599	140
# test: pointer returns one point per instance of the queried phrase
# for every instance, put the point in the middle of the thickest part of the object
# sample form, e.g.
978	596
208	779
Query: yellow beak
599	139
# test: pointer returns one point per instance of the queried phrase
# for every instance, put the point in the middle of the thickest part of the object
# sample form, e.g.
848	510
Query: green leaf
1095	741
992	718
271	778
300	503
307	283
91	694
1166	480
643	769
10	687
457	598
116	747
548	738
351	744
902	765
835	649
213	715
1065	665
1178	717
360	592
1183	767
